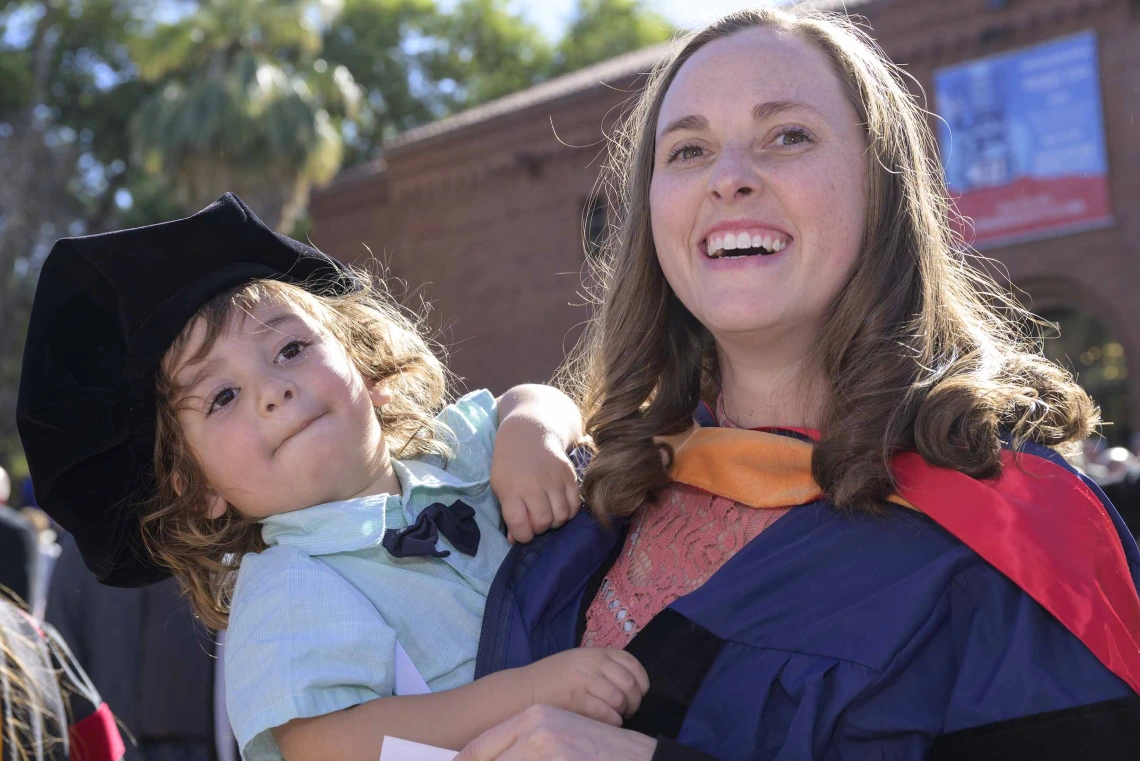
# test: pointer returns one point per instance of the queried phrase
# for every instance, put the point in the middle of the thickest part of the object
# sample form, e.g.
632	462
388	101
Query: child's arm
530	472
600	683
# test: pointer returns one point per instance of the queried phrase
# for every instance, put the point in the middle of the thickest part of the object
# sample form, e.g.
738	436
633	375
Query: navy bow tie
455	521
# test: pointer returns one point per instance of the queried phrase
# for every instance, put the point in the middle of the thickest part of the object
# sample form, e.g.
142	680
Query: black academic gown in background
18	555
152	663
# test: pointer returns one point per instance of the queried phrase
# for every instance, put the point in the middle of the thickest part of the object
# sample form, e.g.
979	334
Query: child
288	411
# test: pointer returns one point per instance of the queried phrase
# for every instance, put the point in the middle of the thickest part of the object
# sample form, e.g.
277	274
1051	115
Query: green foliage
487	52
388	46
243	103
602	29
416	64
62	127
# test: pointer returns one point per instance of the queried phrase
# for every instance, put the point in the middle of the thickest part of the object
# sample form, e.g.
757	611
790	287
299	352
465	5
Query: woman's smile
734	239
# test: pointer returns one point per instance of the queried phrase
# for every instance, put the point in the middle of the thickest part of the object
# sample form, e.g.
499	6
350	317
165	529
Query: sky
552	15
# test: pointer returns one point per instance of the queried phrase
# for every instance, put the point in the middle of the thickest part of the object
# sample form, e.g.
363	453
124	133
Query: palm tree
244	103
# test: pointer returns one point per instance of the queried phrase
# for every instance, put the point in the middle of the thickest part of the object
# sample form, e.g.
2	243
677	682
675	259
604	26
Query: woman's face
757	197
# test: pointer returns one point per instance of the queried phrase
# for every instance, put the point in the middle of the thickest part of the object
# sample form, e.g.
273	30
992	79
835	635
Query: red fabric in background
96	737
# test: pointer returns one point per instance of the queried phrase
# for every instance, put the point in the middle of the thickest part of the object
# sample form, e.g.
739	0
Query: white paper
396	749
408	679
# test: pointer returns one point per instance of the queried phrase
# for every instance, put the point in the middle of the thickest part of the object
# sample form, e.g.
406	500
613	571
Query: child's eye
792	136
221	399
292	349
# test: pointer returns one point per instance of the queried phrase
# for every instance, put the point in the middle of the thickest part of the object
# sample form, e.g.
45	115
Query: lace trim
674	545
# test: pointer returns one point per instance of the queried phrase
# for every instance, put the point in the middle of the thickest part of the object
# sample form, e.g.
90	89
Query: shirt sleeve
302	642
474	421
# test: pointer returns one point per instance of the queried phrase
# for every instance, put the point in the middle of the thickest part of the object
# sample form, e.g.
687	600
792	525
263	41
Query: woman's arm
530	472
596	682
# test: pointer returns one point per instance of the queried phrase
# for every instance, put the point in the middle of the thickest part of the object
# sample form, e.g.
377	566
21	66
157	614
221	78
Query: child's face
278	417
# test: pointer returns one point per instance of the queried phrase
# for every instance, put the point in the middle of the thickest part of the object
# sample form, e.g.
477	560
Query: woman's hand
545	733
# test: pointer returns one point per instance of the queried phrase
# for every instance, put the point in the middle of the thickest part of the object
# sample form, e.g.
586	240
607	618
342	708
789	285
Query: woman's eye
222	398
292	349
792	136
686	153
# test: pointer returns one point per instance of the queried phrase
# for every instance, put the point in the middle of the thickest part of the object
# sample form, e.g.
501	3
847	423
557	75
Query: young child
244	403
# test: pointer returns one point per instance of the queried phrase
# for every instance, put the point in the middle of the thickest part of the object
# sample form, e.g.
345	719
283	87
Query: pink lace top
674	545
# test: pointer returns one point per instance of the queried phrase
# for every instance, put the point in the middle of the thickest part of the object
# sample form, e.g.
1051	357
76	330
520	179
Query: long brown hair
920	350
386	343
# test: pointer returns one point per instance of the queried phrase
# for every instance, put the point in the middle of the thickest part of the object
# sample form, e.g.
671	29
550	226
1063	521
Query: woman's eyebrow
761	111
691	122
767	110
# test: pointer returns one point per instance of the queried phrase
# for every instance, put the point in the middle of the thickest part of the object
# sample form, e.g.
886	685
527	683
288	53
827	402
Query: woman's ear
380	393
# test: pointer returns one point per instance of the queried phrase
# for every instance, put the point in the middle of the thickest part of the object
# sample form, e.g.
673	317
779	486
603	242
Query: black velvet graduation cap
106	309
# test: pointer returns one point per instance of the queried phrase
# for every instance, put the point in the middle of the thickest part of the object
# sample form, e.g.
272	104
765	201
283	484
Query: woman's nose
733	178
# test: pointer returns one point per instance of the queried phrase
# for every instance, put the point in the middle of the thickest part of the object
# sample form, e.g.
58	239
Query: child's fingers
517	518
620	677
633	666
541	515
597	709
559	508
573	498
603	689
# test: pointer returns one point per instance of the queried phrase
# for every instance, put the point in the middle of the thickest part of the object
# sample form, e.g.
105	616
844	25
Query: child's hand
597	682
533	478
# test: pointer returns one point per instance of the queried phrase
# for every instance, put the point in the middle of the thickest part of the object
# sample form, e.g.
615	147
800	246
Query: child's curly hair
387	343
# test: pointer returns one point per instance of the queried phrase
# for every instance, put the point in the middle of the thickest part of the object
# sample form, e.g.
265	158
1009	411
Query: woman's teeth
748	244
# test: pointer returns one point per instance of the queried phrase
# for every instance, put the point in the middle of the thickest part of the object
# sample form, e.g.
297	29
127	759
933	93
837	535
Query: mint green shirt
316	616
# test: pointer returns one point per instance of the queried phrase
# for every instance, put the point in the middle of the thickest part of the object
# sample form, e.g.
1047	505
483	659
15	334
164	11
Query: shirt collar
355	524
343	526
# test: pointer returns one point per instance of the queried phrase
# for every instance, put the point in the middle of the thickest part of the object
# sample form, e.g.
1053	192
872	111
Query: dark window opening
594	219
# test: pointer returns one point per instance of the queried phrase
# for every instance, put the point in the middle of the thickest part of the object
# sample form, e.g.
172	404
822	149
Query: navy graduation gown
833	636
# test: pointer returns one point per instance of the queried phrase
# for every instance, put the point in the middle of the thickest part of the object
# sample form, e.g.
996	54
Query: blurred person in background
148	656
1117	472
49	710
18	548
47	551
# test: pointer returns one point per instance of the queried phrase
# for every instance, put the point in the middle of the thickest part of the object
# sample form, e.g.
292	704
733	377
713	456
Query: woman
869	546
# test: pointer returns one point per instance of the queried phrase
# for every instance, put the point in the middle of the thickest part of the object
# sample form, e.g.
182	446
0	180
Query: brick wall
488	224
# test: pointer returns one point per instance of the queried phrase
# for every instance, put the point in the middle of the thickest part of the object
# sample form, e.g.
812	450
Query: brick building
485	210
